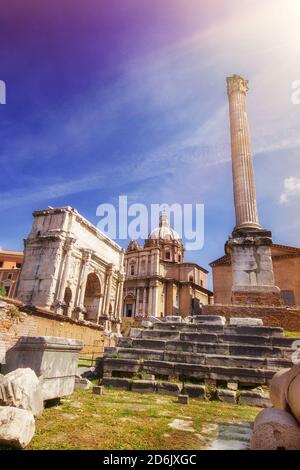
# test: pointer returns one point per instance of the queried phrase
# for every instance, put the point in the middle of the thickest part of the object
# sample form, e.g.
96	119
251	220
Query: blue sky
106	98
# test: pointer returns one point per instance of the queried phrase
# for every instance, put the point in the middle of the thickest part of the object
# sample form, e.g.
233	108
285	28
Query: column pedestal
252	269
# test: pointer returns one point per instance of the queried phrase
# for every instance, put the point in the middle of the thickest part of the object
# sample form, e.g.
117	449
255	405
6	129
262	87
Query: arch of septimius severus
72	268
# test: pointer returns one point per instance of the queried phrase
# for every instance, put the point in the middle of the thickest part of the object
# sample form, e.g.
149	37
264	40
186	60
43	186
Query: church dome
164	231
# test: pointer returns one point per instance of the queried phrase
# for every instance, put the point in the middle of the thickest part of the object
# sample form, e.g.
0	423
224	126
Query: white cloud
291	189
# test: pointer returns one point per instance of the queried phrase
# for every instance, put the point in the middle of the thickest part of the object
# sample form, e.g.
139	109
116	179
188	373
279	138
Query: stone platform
198	352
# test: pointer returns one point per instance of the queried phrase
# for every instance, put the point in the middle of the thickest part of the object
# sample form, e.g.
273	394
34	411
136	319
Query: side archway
92	296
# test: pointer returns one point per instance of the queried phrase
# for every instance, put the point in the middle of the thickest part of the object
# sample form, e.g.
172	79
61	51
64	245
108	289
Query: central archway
92	296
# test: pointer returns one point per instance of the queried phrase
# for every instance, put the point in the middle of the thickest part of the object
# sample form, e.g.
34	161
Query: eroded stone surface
17	427
21	389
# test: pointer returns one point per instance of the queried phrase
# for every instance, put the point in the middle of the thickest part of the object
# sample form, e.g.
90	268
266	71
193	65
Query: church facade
157	280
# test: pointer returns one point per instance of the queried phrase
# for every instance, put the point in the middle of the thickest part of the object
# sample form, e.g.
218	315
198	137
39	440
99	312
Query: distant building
10	265
158	282
286	266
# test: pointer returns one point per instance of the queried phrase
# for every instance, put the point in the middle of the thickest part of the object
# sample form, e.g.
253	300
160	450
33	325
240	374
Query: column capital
69	242
237	83
87	254
110	269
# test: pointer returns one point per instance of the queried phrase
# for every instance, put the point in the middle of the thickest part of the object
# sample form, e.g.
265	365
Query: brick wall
41	322
284	317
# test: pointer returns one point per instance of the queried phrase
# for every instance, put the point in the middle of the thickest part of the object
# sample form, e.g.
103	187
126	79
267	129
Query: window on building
191	278
179	258
132	269
9	276
18	265
168	255
288	297
201	283
1	264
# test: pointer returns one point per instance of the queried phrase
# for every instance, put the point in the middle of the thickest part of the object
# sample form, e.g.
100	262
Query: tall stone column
249	245
137	302
144	301
150	298
242	165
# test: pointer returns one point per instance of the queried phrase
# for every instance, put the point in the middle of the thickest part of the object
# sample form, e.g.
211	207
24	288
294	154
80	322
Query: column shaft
242	165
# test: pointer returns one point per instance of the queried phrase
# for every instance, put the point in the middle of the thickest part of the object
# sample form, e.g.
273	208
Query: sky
128	97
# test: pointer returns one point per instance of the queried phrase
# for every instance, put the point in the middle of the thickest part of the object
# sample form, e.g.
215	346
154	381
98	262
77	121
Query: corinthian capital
237	83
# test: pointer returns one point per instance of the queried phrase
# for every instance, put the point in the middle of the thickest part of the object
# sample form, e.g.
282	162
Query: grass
121	420
292	334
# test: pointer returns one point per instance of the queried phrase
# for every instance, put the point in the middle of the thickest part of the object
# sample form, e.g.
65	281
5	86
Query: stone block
146	386
194	391
209	319
147	324
245	322
53	359
233	386
173	319
117	382
135	332
82	384
183	399
98	390
254	398
21	389
226	396
169	388
17	427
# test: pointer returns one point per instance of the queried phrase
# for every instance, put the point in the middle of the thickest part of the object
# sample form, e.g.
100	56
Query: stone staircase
202	350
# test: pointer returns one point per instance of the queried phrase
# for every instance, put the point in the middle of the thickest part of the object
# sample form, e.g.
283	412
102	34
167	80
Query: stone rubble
21	389
17	427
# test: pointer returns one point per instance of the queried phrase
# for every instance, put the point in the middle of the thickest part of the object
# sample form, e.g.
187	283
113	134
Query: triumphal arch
72	268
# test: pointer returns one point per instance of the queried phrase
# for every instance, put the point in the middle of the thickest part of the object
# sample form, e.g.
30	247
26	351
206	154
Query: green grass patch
127	420
292	334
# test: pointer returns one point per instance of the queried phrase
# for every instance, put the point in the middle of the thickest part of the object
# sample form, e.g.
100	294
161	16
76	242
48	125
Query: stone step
159	334
242	375
208	359
218	329
192	327
225	337
208	348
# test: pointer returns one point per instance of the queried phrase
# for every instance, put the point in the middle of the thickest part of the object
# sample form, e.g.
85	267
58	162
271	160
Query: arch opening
92	297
